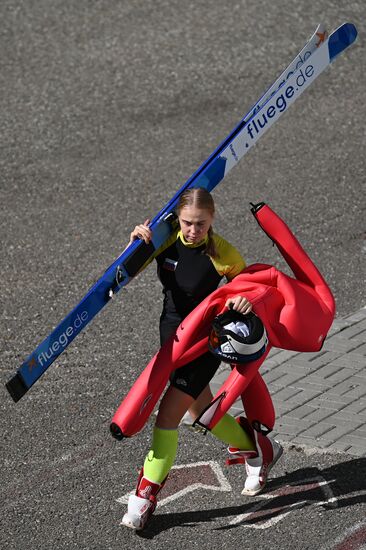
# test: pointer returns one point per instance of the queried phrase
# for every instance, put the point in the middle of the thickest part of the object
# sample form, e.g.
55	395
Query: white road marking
224	485
309	484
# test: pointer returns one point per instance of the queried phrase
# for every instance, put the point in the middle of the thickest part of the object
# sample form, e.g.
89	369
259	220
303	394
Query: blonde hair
202	199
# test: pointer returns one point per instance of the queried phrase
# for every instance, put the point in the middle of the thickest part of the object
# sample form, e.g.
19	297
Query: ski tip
350	32
321	29
341	38
16	387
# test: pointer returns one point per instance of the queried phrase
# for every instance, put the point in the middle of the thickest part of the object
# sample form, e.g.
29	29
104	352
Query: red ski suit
297	313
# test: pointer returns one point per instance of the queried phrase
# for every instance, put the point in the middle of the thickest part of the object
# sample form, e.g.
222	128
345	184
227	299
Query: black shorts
193	377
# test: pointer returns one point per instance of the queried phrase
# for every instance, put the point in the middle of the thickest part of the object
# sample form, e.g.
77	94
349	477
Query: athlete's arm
141	231
230	263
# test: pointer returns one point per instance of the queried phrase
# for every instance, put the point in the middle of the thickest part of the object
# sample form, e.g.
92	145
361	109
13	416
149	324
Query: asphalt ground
106	109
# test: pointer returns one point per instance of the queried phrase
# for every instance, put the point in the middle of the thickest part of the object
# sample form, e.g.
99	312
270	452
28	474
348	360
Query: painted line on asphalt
180	485
256	517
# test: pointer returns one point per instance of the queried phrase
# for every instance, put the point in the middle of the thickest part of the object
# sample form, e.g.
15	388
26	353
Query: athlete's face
194	223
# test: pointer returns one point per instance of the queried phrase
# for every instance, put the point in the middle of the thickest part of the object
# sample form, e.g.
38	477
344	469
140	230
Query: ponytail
210	249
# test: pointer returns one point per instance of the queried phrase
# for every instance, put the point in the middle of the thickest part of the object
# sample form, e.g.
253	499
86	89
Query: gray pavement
105	110
320	398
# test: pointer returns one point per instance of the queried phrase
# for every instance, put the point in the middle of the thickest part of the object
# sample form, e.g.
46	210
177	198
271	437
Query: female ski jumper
297	314
189	275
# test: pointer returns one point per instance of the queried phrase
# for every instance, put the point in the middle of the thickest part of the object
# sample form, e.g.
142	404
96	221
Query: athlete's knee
195	411
172	408
200	403
167	422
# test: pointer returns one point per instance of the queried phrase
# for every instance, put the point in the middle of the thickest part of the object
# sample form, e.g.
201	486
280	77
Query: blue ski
317	54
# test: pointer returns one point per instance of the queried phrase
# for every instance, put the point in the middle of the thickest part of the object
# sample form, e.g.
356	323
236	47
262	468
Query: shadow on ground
343	479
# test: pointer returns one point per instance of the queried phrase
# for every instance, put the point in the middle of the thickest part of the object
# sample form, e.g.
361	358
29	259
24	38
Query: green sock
162	454
229	431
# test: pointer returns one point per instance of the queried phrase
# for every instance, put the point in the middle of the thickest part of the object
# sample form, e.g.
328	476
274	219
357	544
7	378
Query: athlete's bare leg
176	403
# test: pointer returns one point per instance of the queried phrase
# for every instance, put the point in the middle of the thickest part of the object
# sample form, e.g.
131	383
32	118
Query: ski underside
313	59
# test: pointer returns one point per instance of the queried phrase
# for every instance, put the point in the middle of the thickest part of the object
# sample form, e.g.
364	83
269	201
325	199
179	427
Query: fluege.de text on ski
63	339
278	103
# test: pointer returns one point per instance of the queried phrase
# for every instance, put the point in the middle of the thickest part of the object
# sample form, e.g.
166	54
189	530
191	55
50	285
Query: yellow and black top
188	274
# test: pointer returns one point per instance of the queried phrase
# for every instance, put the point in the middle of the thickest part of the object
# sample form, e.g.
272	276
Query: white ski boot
258	463
142	504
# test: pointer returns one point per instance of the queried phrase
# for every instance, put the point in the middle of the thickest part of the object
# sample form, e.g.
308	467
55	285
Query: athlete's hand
142	232
239	303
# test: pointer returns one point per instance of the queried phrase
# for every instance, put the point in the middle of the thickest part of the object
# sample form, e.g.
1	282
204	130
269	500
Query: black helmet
237	338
